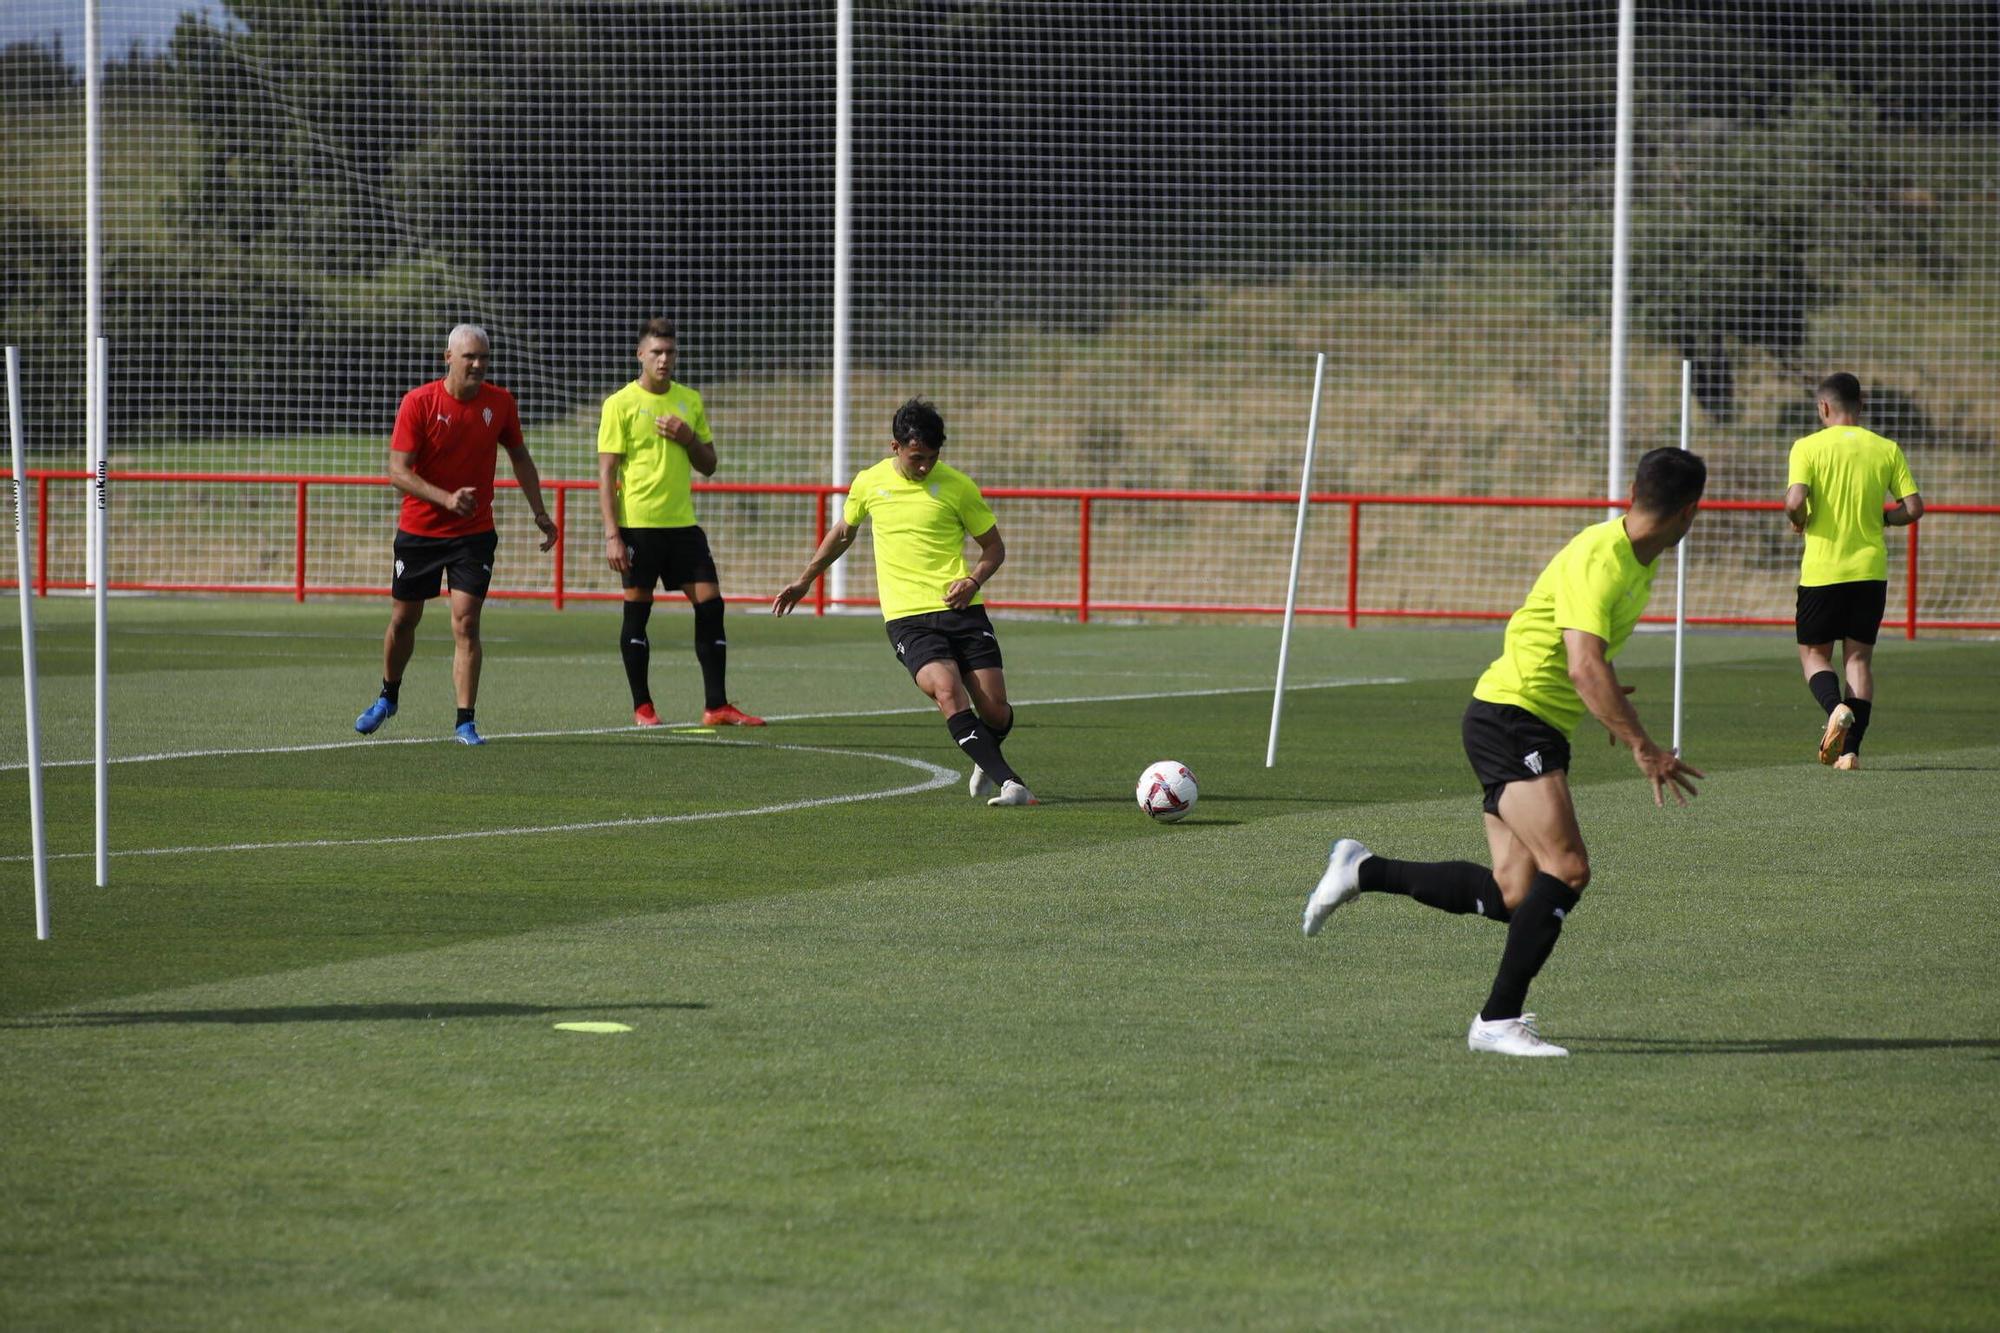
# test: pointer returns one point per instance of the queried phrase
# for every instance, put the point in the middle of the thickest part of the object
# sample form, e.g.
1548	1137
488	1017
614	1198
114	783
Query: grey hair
466	331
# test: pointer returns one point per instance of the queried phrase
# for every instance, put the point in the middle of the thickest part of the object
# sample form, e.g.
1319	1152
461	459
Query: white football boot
1014	793
1340	884
1510	1036
979	784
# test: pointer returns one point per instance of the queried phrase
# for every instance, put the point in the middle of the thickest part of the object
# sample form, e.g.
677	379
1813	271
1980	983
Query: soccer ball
1167	791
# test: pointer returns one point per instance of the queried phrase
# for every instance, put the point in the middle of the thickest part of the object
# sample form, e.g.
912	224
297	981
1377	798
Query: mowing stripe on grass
773	717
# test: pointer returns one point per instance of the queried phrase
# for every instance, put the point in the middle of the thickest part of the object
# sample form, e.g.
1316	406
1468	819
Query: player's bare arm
992	554
1597	685
529	477
607	509
833	546
700	453
405	479
1796	496
1904	512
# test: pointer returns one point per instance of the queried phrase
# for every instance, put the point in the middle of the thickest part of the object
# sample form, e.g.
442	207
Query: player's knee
1572	869
1514	883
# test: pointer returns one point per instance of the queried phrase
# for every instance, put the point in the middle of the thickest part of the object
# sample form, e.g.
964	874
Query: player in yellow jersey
923	511
651	437
1554	664
1834	488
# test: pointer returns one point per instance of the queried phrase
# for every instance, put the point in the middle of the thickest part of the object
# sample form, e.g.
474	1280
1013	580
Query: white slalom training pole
38	829
1298	549
100	577
1681	566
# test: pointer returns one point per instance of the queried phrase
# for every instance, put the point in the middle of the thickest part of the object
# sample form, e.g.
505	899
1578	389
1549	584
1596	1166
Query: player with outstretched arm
1555	663
923	510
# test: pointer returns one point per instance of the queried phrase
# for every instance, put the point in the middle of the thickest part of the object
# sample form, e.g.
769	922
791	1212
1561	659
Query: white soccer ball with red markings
1167	791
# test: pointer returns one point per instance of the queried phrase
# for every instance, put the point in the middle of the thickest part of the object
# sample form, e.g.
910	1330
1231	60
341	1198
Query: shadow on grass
1777	1045
332	1013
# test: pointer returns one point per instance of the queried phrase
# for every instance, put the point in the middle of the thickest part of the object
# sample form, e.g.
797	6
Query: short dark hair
662	327
1843	391
1668	480
917	422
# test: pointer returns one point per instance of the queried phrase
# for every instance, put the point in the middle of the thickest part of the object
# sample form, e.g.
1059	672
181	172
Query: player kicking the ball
923	511
1555	662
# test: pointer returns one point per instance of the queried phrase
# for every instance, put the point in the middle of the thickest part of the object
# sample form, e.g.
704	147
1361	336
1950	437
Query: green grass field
904	1061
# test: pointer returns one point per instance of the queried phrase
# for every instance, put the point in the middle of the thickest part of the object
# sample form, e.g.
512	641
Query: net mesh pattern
1107	239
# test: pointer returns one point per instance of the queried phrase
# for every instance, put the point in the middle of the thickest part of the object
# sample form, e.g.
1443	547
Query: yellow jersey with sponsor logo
920	529
655	479
1594	584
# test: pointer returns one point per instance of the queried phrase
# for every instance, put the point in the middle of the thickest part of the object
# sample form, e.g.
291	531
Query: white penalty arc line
378	742
937	776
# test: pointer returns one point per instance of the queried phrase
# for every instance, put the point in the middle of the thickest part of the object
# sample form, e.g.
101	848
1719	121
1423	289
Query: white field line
359	742
936	776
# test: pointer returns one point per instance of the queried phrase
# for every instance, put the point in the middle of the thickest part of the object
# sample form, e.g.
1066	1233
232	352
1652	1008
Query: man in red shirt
448	436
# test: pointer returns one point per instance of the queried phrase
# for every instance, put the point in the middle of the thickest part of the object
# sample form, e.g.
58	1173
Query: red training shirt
453	444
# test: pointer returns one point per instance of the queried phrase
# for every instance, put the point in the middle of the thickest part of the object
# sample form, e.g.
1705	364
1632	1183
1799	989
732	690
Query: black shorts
965	637
1851	611
669	557
466	561
1508	744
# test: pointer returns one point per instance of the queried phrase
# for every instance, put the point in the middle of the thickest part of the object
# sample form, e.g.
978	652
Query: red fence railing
1082	605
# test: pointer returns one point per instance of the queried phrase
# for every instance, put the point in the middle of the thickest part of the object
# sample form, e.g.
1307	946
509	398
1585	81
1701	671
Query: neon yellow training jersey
1847	471
654	475
1595	584
920	532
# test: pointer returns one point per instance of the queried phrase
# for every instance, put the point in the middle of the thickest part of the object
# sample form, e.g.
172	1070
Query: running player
1554	664
1834	489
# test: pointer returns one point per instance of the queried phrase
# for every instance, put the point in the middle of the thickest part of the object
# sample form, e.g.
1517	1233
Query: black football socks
637	650
1825	687
1531	937
1459	887
1862	709
464	716
390	689
980	745
711	650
